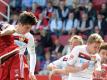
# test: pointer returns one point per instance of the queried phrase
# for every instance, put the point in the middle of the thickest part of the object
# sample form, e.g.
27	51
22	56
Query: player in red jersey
101	72
7	46
13	68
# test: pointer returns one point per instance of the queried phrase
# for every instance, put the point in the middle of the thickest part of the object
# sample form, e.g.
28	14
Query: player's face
75	43
94	47
25	28
103	53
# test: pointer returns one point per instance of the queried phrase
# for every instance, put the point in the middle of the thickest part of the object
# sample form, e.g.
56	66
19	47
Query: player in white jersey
24	40
59	64
72	42
84	63
82	59
62	62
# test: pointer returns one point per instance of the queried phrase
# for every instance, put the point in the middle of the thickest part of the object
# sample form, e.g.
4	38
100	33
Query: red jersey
103	73
6	44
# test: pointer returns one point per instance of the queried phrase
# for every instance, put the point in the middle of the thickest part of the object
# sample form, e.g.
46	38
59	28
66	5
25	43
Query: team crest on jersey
65	59
93	58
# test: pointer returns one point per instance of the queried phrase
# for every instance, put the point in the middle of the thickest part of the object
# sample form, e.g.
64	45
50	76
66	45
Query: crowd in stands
57	18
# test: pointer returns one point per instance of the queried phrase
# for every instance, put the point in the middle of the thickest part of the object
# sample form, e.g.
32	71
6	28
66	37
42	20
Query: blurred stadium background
53	31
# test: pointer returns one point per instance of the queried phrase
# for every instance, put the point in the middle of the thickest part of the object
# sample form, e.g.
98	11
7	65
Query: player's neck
17	29
89	50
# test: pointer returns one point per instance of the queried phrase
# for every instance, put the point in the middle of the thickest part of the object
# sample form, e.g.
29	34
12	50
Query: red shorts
10	70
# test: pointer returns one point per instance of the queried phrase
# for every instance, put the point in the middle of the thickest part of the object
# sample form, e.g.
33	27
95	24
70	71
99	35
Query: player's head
75	40
25	21
103	52
94	41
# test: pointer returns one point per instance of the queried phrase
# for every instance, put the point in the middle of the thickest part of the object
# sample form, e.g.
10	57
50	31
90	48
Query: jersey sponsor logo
84	56
65	59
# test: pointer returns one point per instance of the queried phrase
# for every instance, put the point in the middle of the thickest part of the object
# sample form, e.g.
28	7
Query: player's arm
71	62
55	64
98	64
6	29
73	69
97	72
51	67
32	53
70	69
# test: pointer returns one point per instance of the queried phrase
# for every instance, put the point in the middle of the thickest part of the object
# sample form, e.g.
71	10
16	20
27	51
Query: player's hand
85	65
32	77
51	74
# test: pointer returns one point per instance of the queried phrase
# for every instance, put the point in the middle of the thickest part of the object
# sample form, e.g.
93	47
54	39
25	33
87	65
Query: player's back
6	44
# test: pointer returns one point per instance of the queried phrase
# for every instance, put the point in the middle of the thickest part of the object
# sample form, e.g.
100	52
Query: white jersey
77	57
61	63
27	41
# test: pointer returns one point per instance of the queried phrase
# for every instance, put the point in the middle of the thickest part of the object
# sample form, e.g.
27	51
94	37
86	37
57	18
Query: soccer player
72	42
62	62
101	72
82	59
24	40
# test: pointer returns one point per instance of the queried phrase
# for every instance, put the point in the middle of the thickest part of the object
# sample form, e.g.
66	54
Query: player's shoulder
5	25
29	35
80	47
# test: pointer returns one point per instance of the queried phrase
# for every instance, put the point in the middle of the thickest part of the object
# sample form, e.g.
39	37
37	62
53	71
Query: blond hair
95	38
77	38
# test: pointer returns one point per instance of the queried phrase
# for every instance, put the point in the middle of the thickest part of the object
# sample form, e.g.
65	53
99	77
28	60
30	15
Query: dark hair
103	46
27	18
